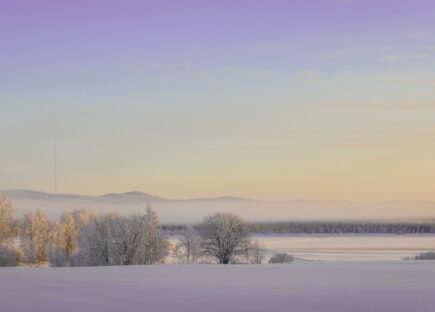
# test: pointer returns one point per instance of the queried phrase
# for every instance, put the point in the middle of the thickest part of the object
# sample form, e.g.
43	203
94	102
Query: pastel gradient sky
274	100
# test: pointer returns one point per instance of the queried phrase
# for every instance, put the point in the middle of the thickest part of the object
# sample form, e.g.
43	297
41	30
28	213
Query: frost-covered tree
188	248
42	236
129	235
83	217
155	247
224	236
66	234
122	240
27	233
9	255
255	253
6	218
95	242
34	237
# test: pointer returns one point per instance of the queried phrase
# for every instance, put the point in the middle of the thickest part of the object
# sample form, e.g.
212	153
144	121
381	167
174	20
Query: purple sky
170	93
113	33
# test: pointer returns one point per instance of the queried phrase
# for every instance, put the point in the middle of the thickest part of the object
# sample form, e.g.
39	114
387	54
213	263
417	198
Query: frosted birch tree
189	247
34	237
155	247
66	234
6	218
8	255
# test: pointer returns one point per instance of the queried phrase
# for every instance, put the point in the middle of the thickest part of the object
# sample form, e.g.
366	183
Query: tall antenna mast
55	163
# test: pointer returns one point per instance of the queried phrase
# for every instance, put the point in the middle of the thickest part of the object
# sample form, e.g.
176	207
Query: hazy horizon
216	196
176	211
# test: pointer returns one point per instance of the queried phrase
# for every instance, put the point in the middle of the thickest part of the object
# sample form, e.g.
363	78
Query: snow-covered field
304	286
344	247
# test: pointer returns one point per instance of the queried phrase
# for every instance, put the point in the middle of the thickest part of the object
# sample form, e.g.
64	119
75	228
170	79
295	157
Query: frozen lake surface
303	286
343	247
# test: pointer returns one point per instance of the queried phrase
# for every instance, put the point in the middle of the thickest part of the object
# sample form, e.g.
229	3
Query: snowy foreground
304	286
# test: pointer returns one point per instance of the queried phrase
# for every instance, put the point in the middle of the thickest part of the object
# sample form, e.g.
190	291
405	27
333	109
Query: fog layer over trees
84	238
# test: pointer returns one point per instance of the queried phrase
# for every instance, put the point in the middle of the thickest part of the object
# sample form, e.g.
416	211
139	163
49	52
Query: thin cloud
352	145
385	48
392	59
416	35
307	74
250	72
393	107
251	147
348	51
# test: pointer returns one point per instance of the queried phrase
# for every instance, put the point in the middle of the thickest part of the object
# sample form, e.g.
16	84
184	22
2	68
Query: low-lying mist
191	211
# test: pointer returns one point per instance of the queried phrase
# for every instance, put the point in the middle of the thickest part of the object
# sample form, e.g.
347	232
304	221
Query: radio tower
55	164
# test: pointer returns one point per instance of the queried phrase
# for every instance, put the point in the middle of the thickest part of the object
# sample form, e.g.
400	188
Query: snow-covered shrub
59	259
281	258
426	256
8	257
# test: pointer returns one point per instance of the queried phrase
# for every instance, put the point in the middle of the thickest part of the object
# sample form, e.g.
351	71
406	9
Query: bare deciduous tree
189	246
255	253
224	236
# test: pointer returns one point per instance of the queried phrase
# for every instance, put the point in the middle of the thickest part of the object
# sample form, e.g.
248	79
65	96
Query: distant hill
28	194
193	210
133	196
127	197
222	198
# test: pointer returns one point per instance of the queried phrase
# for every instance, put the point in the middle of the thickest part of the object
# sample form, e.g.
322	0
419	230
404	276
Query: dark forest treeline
329	227
342	227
